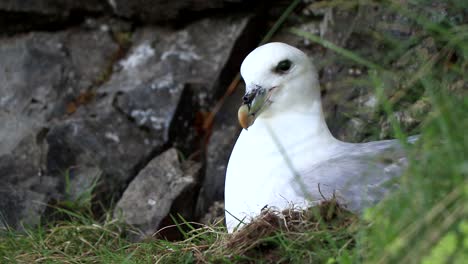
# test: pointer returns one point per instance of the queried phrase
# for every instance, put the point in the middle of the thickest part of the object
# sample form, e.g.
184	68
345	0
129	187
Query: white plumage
288	151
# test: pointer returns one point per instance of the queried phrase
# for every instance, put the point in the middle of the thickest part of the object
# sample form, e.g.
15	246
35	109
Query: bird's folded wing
359	175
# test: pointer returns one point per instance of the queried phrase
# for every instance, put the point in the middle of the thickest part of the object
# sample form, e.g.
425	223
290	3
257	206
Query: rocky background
109	100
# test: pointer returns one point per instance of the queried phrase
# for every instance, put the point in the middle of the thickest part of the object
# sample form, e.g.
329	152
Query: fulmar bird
286	154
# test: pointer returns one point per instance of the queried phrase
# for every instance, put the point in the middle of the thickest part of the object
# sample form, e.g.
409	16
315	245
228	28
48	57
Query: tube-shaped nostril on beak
245	99
249	97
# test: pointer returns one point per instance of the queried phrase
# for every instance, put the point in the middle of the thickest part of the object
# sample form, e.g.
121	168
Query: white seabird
288	156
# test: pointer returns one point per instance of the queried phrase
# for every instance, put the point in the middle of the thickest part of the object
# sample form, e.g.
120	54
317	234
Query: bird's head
278	77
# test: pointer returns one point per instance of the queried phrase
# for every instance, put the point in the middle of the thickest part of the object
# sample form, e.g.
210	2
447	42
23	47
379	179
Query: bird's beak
254	103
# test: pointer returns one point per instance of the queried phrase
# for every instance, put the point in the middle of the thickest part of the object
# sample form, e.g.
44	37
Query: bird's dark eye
283	66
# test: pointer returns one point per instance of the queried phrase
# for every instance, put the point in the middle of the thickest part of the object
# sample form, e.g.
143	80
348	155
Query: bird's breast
258	175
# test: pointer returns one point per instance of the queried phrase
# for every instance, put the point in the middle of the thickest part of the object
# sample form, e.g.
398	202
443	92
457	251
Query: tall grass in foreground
425	221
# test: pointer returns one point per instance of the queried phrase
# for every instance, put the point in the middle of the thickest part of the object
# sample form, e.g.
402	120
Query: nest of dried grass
295	224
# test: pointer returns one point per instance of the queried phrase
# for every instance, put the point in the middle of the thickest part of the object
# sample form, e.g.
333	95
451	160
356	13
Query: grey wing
359	175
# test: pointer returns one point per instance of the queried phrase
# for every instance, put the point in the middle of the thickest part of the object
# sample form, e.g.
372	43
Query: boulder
218	150
22	16
160	10
109	143
95	102
20	208
51	7
33	72
150	196
169	59
40	74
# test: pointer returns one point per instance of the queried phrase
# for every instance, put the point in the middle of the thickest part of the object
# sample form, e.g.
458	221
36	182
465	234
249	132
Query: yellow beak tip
245	120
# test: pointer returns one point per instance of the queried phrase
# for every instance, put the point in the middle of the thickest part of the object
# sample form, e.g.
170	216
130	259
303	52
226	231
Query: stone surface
19	207
167	59
150	196
40	73
96	102
160	10
25	167
38	76
218	150
108	142
51	7
33	71
23	16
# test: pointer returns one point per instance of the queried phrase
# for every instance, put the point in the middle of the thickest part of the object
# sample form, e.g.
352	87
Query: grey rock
55	11
168	66
40	73
152	108
150	196
92	52
160	10
147	103
162	64
51	7
166	58
218	150
20	208
77	103
108	142
25	189
23	16
24	165
32	75
217	155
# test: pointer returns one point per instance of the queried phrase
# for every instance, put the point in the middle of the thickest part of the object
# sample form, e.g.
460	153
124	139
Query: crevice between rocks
23	22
